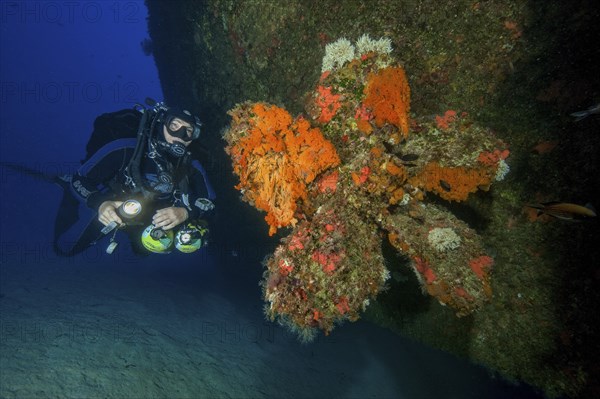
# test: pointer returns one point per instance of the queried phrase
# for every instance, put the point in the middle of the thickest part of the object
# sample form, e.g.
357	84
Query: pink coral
480	264
460	291
362	177
342	306
328	182
443	122
422	267
328	102
492	158
327	261
295	243
285	267
362	113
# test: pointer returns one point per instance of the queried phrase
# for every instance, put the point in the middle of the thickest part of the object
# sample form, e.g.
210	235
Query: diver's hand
107	212
167	218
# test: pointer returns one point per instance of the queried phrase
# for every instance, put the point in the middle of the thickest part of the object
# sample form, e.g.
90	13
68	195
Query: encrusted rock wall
229	51
516	67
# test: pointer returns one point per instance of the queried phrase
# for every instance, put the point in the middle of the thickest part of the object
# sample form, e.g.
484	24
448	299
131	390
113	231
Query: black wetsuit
102	177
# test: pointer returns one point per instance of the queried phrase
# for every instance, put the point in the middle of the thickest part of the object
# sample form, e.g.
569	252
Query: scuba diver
138	177
146	186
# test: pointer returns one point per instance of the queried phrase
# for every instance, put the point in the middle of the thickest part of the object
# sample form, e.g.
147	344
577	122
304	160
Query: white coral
385	275
365	44
342	51
337	54
405	199
502	170
443	239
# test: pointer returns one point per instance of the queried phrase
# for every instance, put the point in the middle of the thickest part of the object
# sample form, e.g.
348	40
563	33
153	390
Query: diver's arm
90	183
201	196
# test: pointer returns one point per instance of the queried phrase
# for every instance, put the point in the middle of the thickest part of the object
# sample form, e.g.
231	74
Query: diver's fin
63	181
580	115
591	208
539	207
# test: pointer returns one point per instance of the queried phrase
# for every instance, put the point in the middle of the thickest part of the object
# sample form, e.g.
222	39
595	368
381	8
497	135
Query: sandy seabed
136	329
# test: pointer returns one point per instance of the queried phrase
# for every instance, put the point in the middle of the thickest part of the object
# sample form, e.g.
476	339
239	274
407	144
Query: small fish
579	115
389	148
544	147
404	158
564	210
409	157
445	185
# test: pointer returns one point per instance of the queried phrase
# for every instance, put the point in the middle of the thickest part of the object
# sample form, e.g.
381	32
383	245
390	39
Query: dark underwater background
192	326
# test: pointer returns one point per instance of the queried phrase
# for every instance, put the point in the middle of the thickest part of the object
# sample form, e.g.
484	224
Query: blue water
163	326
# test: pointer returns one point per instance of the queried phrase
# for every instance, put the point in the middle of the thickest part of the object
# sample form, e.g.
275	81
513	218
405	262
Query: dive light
130	209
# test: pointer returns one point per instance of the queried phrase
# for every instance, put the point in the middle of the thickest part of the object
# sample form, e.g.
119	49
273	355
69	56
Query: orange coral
451	183
395	239
364	126
388	95
397	196
377	152
362	177
394	169
385	175
275	158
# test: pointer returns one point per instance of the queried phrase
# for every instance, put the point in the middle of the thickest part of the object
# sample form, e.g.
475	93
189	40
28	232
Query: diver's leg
67	215
76	227
135	238
69	247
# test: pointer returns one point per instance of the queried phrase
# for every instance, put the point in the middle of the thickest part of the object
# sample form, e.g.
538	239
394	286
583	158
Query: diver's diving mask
176	128
183	125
